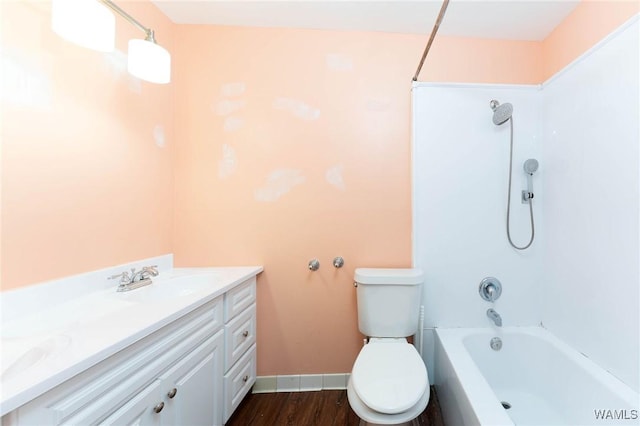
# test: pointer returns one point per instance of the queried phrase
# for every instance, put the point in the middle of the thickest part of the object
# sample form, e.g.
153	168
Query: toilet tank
388	301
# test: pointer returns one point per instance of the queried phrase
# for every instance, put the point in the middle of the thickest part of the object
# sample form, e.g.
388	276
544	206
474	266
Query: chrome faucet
144	274
495	317
137	279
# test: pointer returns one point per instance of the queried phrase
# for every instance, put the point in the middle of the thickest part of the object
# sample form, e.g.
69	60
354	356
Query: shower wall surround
590	184
460	172
580	278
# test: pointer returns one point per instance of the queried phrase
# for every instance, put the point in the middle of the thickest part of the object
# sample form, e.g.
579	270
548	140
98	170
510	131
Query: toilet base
406	418
413	422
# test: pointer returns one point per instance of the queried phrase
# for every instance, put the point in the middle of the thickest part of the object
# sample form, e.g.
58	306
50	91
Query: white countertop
50	343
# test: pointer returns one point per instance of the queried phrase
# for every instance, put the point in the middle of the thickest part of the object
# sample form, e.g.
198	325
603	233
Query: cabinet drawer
239	335
239	298
238	381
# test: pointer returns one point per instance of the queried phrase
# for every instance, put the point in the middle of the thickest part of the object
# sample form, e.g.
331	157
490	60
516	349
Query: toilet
389	384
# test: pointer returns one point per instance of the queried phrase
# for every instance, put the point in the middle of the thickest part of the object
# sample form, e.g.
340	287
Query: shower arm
443	9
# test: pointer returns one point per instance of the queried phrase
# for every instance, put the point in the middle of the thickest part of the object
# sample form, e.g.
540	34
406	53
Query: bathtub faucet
495	317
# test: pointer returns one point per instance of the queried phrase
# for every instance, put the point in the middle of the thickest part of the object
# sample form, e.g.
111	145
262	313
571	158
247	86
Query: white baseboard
300	383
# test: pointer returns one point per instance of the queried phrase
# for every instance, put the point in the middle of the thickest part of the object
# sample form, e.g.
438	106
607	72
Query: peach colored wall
589	23
84	184
294	144
476	60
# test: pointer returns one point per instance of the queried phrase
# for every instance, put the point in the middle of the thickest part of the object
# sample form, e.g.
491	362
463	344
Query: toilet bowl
389	383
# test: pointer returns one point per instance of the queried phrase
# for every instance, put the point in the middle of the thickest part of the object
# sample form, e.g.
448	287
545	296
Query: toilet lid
389	376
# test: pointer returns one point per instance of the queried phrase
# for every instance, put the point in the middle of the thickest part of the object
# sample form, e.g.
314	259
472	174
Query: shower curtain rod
443	9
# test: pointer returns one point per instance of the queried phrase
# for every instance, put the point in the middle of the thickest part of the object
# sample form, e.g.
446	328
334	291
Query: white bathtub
545	381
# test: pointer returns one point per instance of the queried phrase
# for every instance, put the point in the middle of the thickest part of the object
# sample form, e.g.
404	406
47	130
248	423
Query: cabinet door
144	409
192	388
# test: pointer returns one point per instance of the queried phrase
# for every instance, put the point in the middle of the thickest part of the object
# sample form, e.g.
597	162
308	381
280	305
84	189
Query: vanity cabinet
183	395
240	344
192	371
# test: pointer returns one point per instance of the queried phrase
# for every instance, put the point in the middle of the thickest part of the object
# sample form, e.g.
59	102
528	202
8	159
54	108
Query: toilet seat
389	375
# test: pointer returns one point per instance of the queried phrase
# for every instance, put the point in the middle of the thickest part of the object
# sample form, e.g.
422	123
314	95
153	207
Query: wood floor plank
344	415
323	408
295	410
259	409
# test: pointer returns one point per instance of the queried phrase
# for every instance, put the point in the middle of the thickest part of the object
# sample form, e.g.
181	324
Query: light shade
149	61
86	23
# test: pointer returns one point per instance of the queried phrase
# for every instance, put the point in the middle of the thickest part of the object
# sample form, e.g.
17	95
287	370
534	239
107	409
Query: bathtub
541	379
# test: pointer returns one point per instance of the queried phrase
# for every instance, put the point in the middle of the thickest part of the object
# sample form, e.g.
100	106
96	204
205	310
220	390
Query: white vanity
181	351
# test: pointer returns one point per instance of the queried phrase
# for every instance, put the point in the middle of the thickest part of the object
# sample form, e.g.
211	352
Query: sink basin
19	355
63	316
168	289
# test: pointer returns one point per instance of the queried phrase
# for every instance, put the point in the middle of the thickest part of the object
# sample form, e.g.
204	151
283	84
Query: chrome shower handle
490	289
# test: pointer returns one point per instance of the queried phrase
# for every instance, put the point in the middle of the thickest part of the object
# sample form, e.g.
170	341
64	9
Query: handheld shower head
501	113
530	166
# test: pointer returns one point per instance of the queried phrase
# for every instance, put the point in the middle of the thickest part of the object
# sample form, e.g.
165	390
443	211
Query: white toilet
389	383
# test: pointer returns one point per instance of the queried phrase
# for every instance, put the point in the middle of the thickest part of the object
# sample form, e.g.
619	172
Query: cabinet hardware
245	378
245	334
172	393
158	407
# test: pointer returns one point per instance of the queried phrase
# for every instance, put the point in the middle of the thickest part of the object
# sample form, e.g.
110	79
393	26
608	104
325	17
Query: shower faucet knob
490	289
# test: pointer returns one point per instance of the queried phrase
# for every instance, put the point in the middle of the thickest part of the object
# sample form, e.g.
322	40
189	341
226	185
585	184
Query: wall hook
314	264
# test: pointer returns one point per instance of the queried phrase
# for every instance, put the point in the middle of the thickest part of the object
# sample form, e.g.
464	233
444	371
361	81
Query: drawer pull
245	334
158	407
172	393
245	378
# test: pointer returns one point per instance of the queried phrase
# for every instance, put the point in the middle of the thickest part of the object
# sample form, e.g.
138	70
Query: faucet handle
490	289
124	277
151	270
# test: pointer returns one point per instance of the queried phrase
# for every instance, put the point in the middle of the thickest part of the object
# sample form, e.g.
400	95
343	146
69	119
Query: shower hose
533	230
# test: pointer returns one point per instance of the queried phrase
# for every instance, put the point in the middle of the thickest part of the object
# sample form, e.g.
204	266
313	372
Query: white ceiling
503	19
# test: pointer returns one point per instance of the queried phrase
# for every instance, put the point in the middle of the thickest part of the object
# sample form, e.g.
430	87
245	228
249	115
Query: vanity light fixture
147	60
96	30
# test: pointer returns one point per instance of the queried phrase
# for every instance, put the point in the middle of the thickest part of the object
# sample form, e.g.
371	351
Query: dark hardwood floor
324	408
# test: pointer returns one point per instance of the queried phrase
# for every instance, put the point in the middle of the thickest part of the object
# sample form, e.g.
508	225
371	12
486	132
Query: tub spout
495	317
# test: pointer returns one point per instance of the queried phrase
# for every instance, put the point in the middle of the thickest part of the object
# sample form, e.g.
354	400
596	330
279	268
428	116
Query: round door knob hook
338	262
158	407
172	393
245	378
245	334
